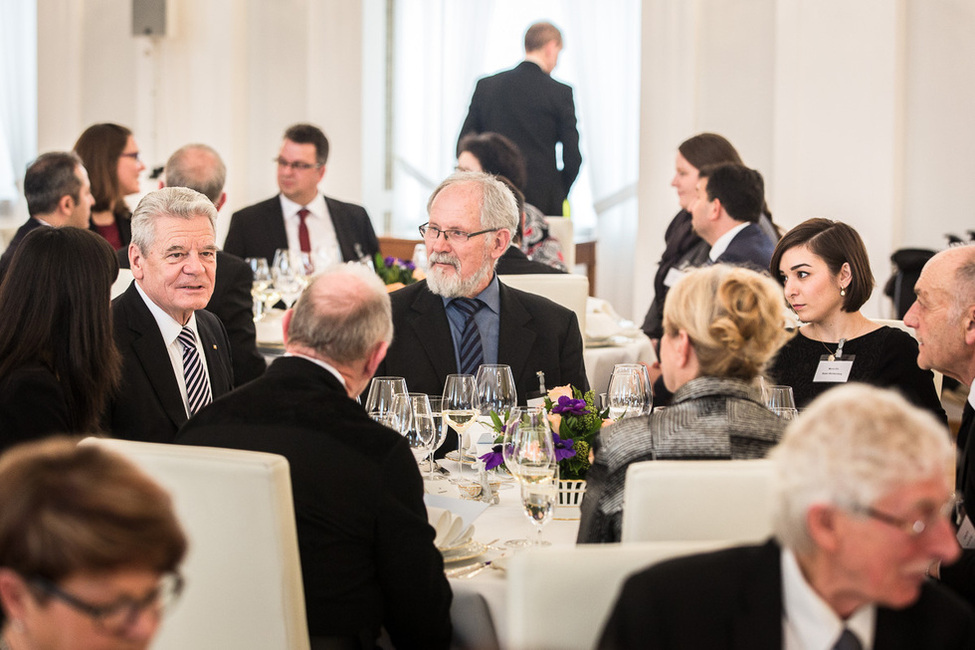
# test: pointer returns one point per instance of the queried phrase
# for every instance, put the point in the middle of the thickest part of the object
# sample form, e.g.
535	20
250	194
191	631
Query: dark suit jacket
8	254
535	112
960	576
515	262
367	553
32	405
148	405
535	334
733	599
750	248
258	230
231	302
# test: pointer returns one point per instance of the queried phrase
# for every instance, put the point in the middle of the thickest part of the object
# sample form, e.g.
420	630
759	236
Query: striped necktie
847	641
471	354
197	385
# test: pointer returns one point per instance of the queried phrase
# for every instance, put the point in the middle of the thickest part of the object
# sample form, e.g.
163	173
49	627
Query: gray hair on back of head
185	170
851	447
178	202
343	314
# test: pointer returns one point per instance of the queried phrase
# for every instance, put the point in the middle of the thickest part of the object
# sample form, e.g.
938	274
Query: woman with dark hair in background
58	361
495	154
825	272
111	156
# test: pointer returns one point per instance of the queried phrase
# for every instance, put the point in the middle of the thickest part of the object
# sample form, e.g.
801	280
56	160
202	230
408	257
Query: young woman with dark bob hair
58	361
824	270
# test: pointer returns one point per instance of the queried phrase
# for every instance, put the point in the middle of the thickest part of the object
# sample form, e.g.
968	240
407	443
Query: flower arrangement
396	273
575	424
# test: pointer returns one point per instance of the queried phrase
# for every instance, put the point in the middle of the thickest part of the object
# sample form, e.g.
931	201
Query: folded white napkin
451	531
602	321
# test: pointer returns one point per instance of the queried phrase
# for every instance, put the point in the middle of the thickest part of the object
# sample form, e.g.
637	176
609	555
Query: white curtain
442	47
18	93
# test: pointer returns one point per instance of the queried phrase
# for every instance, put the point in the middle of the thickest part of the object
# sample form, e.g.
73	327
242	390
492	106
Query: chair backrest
899	324
560	597
563	230
243	575
567	289
687	500
122	282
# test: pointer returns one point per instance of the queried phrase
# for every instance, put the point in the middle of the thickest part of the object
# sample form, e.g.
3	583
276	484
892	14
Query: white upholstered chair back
559	597
122	283
563	230
687	500
566	289
899	324
243	575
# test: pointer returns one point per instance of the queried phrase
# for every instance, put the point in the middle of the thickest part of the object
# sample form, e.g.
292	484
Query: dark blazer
733	599
8	254
960	576
367	552
32	405
515	262
535	334
231	302
258	230
148	405
535	112
751	248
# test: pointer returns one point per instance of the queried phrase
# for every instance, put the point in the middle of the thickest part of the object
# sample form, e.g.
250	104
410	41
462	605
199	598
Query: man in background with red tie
301	218
943	317
175	354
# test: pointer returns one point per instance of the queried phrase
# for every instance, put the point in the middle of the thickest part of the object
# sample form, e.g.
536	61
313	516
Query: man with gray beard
461	316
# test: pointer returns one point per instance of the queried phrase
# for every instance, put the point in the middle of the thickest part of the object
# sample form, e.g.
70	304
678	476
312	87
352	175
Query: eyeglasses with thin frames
297	165
134	155
122	614
915	527
451	234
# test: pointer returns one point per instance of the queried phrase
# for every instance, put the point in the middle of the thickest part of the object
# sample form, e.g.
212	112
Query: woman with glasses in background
111	156
89	549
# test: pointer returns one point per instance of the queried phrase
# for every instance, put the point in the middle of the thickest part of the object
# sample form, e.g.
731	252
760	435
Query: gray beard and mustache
454	286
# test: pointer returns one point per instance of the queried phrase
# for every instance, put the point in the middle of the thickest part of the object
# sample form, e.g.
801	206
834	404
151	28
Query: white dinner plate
468	551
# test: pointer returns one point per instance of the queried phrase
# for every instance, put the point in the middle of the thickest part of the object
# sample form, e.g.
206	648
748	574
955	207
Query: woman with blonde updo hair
721	327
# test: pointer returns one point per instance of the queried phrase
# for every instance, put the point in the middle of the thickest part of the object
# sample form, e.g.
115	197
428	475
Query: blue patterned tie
471	355
197	386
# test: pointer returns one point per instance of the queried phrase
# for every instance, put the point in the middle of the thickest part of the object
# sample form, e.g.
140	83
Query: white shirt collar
971	395
721	245
321	363
808	622
316	207
168	326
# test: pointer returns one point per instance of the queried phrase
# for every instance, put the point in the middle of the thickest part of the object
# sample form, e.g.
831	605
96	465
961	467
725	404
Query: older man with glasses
862	496
461	316
301	217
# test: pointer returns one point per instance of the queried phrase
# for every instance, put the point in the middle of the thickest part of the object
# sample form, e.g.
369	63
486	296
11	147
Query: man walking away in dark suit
536	112
300	217
367	553
943	317
861	496
175	354
58	194
199	167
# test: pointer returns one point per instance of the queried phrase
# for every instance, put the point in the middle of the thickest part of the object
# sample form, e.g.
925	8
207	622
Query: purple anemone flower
569	406
563	448
493	458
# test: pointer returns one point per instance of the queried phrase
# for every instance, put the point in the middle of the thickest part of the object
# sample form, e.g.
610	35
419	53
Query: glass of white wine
530	456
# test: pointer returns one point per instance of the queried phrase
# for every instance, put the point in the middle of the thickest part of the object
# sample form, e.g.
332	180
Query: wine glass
495	389
410	414
629	393
288	272
457	407
436	408
259	286
380	396
781	401
531	453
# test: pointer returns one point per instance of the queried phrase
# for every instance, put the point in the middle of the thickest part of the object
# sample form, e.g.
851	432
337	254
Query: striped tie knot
470	353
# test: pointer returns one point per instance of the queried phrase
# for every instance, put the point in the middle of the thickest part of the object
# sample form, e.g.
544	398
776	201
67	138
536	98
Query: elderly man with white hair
862	496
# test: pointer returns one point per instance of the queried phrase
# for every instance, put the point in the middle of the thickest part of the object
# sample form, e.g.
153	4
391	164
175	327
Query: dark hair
50	177
309	134
741	190
705	149
836	243
520	200
67	508
539	34
497	154
100	147
55	310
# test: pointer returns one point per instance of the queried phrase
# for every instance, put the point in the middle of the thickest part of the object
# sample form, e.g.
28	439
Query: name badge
966	533
834	371
673	275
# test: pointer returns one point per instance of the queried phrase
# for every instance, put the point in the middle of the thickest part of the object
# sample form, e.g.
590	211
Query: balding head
198	167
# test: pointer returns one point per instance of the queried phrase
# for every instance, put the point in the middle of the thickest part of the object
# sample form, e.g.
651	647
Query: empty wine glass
495	389
629	393
780	401
410	414
380	396
436	408
288	272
